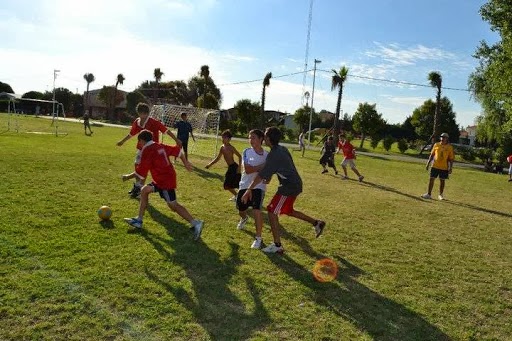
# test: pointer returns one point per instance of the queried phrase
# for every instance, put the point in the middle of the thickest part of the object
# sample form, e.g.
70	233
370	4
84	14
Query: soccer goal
205	124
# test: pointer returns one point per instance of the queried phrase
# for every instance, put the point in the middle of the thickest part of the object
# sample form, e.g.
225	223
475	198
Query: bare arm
126	138
186	163
214	161
171	134
239	159
430	158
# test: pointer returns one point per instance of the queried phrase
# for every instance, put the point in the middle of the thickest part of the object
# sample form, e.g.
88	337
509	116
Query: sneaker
319	228
324	171
134	222
198	228
256	244
361	178
440	197
336	172
272	248
135	192
133	188
344	177
233	198
242	222
426	196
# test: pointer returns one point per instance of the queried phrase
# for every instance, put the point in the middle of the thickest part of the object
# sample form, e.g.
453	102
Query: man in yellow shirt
443	156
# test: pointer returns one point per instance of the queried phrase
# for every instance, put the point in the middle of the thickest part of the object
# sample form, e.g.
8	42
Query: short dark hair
226	133
142	108
183	114
145	136
273	134
258	133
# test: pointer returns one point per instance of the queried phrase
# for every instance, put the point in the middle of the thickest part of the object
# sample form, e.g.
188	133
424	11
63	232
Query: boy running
327	159
144	122
155	159
280	162
349	155
232	176
253	160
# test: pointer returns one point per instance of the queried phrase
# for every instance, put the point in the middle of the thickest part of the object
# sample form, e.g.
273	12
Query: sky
400	41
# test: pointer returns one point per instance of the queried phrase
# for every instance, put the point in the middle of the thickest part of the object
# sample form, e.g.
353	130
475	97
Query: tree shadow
481	209
380	317
216	308
393	190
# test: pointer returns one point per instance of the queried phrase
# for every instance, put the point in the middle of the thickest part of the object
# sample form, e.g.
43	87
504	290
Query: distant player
253	160
443	156
228	151
509	160
87	124
328	150
349	155
184	130
144	122
155	159
280	162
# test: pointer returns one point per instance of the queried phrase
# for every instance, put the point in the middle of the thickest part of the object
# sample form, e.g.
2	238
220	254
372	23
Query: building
98	109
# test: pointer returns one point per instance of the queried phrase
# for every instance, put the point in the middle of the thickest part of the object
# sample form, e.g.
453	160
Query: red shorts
281	204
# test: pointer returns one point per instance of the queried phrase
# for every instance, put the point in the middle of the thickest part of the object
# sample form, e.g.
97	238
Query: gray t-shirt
280	162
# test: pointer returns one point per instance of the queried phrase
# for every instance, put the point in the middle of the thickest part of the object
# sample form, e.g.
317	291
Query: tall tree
301	117
205	73
491	82
89	78
248	114
196	87
158	74
338	81
120	80
367	121
266	82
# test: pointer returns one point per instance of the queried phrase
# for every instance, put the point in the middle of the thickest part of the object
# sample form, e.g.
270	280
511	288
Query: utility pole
312	99
55	72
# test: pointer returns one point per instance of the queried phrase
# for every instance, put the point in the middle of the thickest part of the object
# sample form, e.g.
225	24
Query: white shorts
349	162
510	169
138	156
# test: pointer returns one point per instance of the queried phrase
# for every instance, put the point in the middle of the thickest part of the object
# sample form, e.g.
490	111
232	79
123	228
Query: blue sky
242	40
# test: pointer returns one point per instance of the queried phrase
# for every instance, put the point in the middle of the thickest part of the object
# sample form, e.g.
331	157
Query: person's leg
181	210
302	216
441	186
354	169
431	185
144	199
344	171
129	176
258	221
274	227
232	191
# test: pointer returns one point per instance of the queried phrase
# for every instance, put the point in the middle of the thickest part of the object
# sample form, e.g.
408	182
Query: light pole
312	99
54	76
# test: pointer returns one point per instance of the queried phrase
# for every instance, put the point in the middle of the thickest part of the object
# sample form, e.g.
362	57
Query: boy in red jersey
280	162
349	155
139	124
155	159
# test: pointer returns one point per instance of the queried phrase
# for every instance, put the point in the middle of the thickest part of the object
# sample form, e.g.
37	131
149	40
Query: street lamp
312	99
54	76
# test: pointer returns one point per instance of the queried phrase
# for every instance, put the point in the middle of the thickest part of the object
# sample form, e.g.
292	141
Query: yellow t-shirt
442	154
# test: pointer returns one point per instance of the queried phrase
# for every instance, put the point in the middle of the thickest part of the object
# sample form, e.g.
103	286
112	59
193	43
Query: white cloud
397	55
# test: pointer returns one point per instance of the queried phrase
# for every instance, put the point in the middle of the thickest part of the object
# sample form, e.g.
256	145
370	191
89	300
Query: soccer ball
104	212
325	270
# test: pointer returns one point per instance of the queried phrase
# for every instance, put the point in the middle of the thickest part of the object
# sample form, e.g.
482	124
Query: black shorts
232	177
169	195
327	159
441	173
256	201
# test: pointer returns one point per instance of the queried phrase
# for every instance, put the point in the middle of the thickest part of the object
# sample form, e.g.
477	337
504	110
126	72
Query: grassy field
410	269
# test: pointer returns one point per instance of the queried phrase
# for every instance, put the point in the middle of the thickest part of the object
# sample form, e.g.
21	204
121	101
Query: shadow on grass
215	307
207	174
393	190
481	209
380	317
107	224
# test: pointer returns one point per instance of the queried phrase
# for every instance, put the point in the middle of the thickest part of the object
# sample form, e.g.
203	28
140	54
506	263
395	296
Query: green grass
410	269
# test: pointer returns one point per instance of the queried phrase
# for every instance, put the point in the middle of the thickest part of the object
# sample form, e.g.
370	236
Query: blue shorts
441	173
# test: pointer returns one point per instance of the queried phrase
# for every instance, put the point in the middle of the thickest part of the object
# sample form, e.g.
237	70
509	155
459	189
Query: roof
10	95
19	97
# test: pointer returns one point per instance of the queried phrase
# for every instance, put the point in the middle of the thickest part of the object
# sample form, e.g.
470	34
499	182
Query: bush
374	142
483	154
387	142
402	145
467	154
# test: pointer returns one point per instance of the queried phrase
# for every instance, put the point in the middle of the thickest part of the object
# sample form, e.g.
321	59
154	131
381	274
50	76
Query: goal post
205	124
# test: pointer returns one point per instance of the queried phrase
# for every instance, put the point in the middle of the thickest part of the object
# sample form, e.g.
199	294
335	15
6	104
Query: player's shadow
392	190
219	311
205	174
481	209
380	317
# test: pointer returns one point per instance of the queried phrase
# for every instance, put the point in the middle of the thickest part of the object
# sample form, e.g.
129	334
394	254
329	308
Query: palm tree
158	76
89	78
436	81
205	73
120	80
266	82
338	80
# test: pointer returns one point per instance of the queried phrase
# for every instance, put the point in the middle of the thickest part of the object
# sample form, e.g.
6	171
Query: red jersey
154	126
155	159
348	149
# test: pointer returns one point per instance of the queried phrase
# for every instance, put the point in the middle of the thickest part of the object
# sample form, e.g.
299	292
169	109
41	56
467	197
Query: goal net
205	125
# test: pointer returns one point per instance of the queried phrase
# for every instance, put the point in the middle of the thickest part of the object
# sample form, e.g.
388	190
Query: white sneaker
426	196
256	244
134	222
242	222
319	228
198	228
272	248
440	197
233	198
